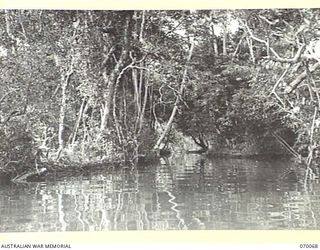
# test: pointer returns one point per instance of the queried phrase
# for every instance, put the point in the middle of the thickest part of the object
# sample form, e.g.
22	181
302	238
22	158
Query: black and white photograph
117	120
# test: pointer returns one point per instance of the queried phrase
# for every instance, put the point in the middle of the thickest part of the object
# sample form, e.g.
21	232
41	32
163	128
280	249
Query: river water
184	192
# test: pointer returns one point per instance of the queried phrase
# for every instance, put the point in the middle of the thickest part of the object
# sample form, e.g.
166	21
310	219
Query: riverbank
65	167
72	162
42	170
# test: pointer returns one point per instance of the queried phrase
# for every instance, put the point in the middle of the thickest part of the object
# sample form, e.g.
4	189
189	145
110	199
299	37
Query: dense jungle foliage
113	86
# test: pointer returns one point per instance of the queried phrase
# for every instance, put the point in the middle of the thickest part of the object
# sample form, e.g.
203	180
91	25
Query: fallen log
31	176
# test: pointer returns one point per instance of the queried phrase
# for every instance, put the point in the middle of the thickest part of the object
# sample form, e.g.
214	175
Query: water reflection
185	192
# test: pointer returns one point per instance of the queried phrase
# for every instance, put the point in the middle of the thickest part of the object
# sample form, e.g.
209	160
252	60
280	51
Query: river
182	192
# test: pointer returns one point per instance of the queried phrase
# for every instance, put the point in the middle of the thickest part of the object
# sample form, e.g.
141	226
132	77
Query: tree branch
5	95
276	55
294	84
295	59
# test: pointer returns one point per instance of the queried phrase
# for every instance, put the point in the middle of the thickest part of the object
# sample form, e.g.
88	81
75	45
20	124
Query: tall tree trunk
176	104
141	101
111	79
213	35
136	93
145	99
64	83
115	118
224	42
62	113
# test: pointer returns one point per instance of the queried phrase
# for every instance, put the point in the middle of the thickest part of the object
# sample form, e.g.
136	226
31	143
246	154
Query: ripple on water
190	192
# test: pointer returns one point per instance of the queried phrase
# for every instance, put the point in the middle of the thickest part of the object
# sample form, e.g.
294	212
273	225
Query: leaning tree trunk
76	126
177	102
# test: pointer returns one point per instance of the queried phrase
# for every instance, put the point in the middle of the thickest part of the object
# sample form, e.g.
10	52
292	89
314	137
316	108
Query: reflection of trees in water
187	193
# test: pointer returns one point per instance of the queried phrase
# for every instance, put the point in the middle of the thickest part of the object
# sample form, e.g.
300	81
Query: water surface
183	192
